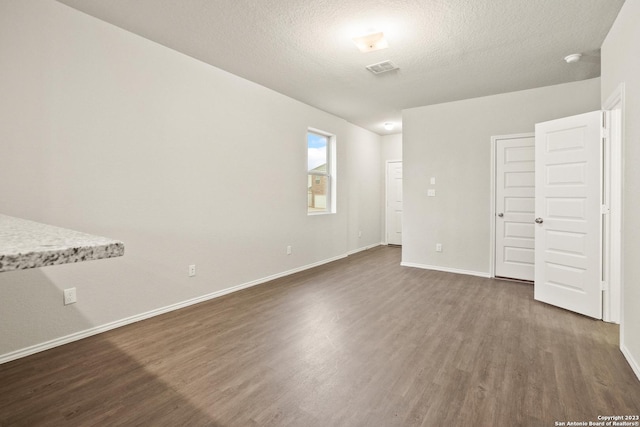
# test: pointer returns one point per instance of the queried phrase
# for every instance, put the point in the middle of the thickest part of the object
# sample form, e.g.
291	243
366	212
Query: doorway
562	210
612	197
393	215
514	206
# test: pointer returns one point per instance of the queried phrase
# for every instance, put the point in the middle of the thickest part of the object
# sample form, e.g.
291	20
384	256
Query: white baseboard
365	248
635	366
4	358
446	269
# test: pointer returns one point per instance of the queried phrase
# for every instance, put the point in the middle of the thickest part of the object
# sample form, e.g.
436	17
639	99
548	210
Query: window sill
319	213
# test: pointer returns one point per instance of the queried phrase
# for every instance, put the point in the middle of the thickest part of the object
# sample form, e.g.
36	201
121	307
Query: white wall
365	198
391	148
108	133
452	142
621	64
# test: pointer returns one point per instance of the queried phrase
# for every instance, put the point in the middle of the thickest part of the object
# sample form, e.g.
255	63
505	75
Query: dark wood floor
358	342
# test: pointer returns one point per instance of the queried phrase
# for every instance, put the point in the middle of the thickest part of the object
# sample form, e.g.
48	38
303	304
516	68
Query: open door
567	209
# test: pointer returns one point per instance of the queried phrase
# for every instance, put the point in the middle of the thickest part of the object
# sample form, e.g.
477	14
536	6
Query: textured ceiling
446	49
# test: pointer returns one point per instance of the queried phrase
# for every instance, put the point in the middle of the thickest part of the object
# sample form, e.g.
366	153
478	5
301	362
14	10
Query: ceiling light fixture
389	126
371	42
574	57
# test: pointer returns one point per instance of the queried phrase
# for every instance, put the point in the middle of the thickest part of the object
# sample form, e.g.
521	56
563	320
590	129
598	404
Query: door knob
500	214
539	221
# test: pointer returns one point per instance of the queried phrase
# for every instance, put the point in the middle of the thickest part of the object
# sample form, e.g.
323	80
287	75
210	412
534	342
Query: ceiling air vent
382	67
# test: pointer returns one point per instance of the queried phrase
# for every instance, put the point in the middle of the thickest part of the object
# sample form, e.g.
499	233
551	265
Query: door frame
612	244
492	201
613	180
386	198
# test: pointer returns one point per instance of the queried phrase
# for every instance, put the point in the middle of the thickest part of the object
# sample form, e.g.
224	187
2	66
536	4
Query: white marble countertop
27	244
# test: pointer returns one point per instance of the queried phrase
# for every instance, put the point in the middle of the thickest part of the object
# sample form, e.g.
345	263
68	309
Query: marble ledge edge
23	261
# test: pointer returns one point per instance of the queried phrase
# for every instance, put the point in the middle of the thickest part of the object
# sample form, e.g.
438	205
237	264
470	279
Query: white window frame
330	174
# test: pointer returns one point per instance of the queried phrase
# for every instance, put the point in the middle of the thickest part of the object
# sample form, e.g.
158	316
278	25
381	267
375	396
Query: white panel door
394	203
568	218
515	208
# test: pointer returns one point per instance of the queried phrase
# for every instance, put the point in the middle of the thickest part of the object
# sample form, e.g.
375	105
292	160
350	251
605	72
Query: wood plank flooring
358	342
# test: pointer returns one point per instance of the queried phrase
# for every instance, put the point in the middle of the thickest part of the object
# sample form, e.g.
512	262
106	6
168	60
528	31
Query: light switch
433	180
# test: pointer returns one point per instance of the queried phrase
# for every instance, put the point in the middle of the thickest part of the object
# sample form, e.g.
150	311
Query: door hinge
604	120
604	286
604	210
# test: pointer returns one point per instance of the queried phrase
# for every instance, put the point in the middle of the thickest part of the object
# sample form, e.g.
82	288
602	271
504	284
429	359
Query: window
320	185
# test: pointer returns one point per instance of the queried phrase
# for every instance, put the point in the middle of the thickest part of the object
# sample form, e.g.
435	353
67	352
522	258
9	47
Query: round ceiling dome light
371	42
573	58
389	126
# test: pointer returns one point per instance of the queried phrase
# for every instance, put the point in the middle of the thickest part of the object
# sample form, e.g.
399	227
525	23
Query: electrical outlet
438	247
192	270
431	192
289	250
359	234
70	296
